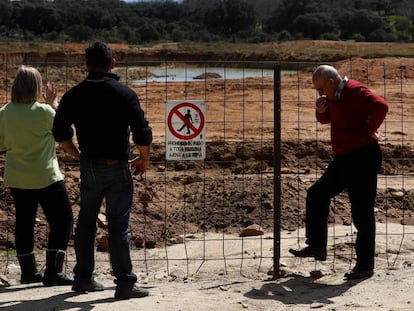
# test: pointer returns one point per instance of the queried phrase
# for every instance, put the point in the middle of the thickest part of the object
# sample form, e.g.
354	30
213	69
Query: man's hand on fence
378	136
139	165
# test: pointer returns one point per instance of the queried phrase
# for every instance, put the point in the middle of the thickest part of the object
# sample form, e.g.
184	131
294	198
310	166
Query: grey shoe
134	292
57	279
85	287
54	276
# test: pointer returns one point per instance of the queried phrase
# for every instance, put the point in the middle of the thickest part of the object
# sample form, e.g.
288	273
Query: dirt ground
304	285
233	189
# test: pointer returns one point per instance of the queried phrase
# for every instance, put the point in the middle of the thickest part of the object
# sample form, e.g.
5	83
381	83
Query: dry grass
302	50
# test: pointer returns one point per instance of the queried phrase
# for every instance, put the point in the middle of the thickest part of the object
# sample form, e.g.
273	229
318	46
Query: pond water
190	73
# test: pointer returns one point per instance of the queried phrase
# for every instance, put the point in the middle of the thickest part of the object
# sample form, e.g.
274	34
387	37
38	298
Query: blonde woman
33	175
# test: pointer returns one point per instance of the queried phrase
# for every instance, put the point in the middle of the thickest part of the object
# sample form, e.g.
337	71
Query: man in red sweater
355	114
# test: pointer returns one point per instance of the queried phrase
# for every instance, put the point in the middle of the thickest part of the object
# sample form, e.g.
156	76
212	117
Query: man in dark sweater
355	113
104	113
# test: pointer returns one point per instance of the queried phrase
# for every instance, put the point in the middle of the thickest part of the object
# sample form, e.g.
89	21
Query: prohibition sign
175	111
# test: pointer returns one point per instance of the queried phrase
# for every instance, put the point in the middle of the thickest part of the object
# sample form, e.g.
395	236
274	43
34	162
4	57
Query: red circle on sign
196	131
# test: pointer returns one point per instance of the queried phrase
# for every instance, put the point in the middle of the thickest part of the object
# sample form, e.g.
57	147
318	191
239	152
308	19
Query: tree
5	12
79	33
282	17
382	7
235	20
403	27
363	22
38	19
314	24
380	35
228	17
148	32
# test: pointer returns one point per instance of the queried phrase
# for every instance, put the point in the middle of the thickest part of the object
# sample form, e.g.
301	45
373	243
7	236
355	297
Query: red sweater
354	117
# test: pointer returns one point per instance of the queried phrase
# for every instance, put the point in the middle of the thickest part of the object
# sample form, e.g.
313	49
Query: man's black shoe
31	278
357	273
319	253
92	286
134	292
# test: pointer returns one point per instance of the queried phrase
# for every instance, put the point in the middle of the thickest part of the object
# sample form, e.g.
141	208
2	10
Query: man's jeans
110	180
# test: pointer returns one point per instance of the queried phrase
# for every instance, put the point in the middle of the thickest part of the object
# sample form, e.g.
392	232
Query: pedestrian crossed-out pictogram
185	130
187	113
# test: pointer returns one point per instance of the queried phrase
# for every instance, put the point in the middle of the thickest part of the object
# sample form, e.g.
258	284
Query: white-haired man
355	113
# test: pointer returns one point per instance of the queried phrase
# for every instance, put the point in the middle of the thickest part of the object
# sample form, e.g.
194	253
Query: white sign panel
185	130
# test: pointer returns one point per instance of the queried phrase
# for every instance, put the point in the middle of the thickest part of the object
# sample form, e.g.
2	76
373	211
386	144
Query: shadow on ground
56	300
297	289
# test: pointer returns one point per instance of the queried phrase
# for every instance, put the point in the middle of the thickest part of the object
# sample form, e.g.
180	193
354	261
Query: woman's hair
27	85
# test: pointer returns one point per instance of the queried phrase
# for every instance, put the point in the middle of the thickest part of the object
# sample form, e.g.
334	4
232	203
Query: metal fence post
276	171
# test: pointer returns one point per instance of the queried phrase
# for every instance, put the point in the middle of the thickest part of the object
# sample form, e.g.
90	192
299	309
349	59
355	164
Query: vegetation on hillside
206	21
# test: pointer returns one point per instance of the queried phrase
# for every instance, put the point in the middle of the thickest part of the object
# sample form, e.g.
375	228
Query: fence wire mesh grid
187	215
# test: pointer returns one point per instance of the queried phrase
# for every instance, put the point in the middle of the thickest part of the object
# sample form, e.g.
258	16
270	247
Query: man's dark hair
98	56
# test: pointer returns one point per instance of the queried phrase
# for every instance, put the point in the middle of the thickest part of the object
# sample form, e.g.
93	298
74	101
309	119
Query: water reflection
189	74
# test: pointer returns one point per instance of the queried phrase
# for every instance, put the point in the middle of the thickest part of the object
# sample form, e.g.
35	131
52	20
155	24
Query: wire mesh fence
264	148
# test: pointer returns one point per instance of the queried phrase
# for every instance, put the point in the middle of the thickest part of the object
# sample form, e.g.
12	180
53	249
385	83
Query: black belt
112	162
